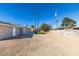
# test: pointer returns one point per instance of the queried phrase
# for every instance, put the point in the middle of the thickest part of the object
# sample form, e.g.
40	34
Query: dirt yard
55	43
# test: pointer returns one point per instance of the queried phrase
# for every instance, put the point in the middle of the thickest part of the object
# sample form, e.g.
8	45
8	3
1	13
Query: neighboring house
8	30
75	27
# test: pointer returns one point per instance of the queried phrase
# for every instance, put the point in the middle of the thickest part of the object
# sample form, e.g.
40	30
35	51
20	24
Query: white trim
14	31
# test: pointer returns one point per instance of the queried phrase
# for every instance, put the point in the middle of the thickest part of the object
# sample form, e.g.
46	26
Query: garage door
18	31
5	32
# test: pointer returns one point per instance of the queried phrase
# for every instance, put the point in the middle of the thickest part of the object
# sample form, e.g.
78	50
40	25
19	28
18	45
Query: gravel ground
54	43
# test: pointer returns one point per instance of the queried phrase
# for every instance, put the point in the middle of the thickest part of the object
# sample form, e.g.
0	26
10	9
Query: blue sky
22	13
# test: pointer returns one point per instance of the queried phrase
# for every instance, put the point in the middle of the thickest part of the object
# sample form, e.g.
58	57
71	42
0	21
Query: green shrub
41	32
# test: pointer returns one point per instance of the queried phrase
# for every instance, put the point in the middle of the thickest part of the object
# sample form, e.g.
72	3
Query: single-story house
75	27
8	30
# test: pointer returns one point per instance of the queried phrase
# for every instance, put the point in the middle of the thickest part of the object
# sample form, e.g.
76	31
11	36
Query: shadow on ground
27	35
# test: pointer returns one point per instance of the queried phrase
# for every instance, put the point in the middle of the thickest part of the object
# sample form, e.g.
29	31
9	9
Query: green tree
68	23
32	26
45	27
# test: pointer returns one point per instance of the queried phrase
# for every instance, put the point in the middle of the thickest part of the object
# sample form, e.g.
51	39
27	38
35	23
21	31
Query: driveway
54	43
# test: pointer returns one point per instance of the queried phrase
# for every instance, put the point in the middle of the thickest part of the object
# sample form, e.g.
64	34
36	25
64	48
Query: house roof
8	24
5	23
75	27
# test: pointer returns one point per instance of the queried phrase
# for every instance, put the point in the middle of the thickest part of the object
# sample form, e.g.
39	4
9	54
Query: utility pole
56	20
36	21
34	14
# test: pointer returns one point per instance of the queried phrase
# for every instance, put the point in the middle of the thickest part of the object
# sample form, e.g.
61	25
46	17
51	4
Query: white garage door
18	31
5	32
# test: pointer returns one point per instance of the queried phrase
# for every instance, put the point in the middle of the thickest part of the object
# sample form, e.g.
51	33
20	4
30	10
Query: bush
41	32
